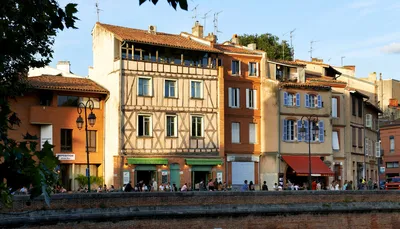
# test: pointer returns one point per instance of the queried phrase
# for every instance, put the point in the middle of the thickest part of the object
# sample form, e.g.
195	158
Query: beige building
162	118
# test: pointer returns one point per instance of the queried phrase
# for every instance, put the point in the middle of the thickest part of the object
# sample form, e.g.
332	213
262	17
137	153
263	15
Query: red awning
300	165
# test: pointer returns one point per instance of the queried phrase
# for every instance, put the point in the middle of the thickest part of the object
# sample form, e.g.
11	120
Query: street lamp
303	131
91	119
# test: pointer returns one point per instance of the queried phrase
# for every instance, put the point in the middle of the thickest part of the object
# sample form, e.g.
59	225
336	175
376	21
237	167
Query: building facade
390	136
49	112
164	107
242	76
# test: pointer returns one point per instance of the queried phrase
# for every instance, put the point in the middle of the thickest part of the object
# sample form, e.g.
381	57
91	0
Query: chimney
252	46
380	76
64	66
211	37
235	39
197	30
372	77
317	60
393	103
350	67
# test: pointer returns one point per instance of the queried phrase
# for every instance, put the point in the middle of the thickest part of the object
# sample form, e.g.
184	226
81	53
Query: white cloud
393	48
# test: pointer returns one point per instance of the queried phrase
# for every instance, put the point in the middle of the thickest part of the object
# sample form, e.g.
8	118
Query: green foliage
268	43
83	181
174	3
28	29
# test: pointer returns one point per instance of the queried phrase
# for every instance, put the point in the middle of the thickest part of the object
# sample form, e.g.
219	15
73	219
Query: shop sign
126	177
66	157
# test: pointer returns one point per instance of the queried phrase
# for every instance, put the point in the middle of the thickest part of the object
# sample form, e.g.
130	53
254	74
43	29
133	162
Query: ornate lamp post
303	131
79	123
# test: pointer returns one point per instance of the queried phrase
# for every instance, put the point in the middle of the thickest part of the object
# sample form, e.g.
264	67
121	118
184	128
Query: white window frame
314	104
255	133
392	144
201	88
256	69
191	125
239	73
175	125
288	130
150	125
334	107
335	141
368	120
150	85
314	137
253	94
291	102
235	135
175	88
232	99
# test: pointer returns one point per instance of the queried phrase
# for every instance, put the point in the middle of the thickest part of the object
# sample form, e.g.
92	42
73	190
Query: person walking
251	186
245	187
264	186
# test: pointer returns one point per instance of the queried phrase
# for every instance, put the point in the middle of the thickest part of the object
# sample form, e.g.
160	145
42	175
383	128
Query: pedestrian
245	187
370	184
319	186
161	188
275	187
265	187
314	185
349	185
174	188
251	186
184	188
155	187
210	185
345	185
128	187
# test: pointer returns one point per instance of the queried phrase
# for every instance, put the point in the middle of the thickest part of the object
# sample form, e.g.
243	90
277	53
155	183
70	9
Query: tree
28	29
270	44
182	3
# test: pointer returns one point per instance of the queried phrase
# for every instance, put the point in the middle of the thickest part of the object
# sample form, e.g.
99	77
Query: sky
365	32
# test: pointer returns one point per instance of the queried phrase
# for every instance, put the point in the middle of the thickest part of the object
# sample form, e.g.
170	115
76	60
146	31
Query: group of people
152	186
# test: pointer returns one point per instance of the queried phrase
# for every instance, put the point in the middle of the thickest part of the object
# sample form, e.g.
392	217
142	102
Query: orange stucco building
49	111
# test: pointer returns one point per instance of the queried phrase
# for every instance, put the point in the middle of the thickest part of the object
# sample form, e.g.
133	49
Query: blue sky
366	32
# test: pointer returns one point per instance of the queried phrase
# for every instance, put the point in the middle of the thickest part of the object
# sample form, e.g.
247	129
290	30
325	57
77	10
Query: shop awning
148	161
299	164
201	161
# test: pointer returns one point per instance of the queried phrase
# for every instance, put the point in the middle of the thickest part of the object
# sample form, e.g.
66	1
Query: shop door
175	175
145	173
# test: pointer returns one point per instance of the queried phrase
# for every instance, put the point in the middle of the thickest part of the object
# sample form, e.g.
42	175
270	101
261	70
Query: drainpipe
344	143
279	133
121	119
365	150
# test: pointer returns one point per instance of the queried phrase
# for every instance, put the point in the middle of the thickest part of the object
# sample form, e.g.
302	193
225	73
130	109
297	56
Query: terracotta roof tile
310	62
235	49
288	62
65	84
306	86
161	39
327	80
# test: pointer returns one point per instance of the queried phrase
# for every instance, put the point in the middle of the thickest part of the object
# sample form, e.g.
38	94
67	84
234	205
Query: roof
312	86
374	107
61	83
159	38
356	92
288	62
310	62
326	79
300	165
236	49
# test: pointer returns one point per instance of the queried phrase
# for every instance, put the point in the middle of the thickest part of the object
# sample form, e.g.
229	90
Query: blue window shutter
319	101
307	100
284	130
298	99
299	137
307	138
285	98
321	131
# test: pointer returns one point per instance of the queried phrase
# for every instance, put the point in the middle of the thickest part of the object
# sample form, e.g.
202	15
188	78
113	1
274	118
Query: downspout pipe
365	150
121	119
279	132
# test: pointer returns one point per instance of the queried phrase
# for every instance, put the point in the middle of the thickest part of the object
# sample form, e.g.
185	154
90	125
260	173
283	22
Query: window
67	101
360	138
334	107
367	149
144	86
313	101
66	140
360	107
378	149
45	98
171	126
235	132
335	140
353	136
234	97
288	130
144	126
291	99
196	89
252	133
391	139
314	135
353	105
394	164
96	101
251	99
170	89
92	137
236	67
368	120
197	126
253	69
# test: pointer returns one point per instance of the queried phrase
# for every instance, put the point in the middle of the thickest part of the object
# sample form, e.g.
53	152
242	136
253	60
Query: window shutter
307	100
247	98
321	131
238	97
299	137
298	99
252	134
366	146
307	137
240	67
230	97
233	68
334	107
285	97
257	70
255	99
378	149
249	69
319	101
284	130
368	120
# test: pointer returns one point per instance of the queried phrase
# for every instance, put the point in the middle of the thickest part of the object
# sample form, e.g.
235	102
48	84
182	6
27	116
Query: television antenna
216	23
311	48
341	59
291	42
195	12
205	19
